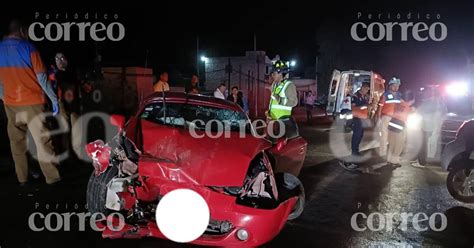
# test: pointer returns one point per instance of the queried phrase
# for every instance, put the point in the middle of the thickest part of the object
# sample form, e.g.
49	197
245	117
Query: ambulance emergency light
458	88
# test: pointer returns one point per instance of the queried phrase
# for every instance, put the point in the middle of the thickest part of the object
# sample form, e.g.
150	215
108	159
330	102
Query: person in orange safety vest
389	100
397	132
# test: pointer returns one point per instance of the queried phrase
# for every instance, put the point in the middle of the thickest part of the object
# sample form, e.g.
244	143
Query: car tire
452	184
97	190
299	206
290	186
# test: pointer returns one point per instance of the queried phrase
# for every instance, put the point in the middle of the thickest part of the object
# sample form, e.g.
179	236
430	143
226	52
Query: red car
250	184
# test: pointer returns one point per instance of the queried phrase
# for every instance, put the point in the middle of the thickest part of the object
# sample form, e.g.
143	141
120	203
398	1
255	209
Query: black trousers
309	113
357	134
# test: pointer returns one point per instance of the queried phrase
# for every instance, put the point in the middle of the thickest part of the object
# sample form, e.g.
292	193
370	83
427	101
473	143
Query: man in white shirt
220	92
162	84
433	112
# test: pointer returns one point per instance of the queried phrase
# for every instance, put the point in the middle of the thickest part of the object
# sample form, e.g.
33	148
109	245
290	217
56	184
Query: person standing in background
68	91
235	98
309	103
193	86
432	111
244	101
220	92
162	84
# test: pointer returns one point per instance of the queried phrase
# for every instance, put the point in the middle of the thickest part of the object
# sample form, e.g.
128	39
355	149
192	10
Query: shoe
387	167
26	189
348	166
416	164
352	166
357	154
56	184
370	170
395	166
53	188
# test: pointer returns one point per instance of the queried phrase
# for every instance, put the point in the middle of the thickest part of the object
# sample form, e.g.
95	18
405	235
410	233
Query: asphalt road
333	195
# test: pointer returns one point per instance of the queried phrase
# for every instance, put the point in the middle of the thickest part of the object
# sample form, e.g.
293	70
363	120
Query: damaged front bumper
228	221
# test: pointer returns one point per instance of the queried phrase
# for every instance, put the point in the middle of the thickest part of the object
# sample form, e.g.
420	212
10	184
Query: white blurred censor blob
182	215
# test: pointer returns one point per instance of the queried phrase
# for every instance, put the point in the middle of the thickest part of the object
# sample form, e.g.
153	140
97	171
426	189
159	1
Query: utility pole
254	42
257	84
316	68
228	69
197	55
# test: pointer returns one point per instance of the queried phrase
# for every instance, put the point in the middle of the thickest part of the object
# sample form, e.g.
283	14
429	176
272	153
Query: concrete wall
124	87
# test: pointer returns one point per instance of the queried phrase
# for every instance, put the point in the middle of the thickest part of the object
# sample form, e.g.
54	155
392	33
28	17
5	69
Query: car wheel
97	190
299	206
290	186
460	183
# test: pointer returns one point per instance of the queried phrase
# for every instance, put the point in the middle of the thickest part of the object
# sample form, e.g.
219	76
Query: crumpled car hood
208	161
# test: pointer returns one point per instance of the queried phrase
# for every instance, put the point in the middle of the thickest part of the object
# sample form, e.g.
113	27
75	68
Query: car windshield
197	116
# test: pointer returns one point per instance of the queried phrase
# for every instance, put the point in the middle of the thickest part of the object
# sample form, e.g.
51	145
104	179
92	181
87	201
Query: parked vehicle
458	159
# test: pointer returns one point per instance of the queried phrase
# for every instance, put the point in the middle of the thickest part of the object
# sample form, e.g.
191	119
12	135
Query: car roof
181	97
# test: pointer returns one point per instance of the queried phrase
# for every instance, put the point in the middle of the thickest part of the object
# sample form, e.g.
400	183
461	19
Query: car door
332	96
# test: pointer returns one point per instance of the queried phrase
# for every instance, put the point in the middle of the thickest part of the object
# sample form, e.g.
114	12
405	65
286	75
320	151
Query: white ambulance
346	83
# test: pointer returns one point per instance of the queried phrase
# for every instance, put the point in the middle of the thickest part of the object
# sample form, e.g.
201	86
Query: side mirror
117	120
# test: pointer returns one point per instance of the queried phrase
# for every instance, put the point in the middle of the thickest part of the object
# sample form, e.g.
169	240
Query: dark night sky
292	29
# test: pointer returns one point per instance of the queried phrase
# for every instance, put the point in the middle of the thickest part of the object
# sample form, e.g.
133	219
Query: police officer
283	97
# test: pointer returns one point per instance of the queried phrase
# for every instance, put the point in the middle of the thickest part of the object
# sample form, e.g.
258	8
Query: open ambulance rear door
333	92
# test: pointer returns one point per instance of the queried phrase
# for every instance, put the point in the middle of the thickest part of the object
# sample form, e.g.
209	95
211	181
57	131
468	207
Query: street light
293	63
204	59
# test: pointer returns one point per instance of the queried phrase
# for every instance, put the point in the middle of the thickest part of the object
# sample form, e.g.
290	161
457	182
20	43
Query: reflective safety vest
389	101
399	118
359	106
278	109
361	112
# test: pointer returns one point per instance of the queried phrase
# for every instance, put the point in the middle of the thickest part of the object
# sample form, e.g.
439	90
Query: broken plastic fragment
100	155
